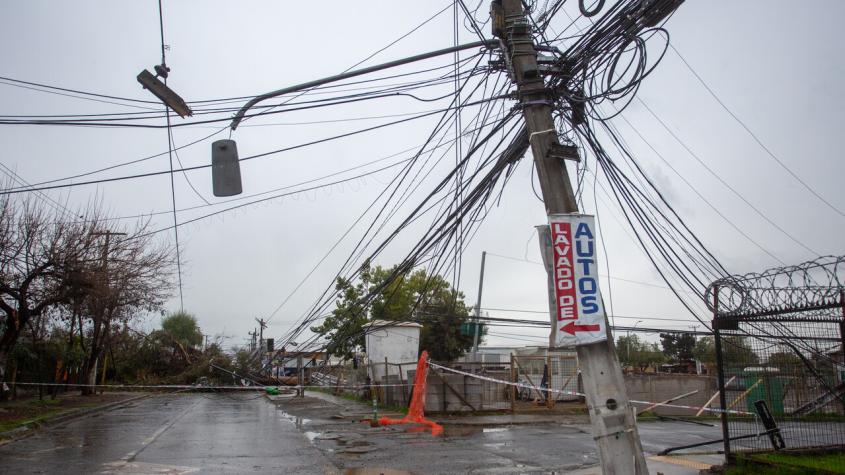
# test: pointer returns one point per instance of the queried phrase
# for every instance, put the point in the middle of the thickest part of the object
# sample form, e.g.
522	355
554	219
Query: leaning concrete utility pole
478	310
611	415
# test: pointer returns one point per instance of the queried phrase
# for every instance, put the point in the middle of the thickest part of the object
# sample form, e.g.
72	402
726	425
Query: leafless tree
40	252
133	275
79	265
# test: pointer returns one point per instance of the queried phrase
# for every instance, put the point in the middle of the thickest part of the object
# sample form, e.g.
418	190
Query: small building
398	342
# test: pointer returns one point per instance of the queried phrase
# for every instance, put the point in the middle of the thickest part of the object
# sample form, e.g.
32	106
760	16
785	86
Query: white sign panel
580	314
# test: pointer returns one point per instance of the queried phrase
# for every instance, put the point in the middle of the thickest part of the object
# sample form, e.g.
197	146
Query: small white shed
399	342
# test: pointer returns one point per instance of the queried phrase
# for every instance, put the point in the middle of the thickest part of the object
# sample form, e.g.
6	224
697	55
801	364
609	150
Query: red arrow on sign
571	328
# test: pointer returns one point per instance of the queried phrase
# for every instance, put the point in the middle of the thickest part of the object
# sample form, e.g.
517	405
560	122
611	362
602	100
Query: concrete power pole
252	336
478	311
262	348
261	325
611	415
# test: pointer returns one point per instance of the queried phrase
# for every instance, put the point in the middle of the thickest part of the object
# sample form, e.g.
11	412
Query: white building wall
398	343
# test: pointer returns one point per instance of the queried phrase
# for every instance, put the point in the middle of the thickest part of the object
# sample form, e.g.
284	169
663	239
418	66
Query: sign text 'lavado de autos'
580	314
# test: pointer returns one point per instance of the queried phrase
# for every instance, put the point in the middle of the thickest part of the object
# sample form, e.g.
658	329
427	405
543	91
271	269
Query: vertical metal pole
384	382
837	368
300	379
478	308
841	332
720	371
513	388
550	403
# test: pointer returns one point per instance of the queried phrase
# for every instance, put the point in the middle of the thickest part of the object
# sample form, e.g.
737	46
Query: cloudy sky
777	65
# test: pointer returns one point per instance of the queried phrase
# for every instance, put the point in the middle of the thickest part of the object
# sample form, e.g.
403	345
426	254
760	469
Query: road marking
127	461
124	468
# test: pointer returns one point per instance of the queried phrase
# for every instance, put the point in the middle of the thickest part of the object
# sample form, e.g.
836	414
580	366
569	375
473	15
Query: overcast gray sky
778	65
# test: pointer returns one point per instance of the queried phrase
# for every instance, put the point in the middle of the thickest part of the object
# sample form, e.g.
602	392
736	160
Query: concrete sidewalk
669	465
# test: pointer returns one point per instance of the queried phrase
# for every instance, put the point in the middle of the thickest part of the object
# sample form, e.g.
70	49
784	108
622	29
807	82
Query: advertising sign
580	313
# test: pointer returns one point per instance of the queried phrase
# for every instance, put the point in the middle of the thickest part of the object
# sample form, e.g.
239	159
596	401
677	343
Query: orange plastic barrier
416	413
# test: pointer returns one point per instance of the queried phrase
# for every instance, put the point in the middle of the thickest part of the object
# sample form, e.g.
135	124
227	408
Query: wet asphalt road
245	433
171	434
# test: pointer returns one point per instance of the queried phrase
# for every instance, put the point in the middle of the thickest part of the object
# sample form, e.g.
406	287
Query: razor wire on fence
779	349
810	286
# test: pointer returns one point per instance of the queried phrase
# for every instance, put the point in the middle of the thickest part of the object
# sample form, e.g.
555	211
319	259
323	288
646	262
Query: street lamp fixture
225	168
164	93
226	177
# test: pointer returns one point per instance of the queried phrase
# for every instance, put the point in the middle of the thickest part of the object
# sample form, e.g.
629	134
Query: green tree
737	352
705	350
677	346
786	360
633	351
387	294
182	327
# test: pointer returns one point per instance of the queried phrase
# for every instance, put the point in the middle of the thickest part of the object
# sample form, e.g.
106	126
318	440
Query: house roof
390	323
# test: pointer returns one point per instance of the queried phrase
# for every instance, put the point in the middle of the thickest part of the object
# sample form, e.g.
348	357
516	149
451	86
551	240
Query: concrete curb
26	431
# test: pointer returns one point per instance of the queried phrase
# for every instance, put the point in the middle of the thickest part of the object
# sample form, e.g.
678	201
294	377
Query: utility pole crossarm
611	415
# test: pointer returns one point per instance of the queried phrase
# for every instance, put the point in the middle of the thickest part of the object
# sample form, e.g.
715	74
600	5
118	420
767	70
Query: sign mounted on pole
580	313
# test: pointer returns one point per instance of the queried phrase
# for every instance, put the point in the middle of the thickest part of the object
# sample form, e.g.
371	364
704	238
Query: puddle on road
295	420
374	471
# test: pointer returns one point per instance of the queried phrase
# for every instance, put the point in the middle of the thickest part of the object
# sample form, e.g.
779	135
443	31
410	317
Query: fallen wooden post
672	399
745	393
710	401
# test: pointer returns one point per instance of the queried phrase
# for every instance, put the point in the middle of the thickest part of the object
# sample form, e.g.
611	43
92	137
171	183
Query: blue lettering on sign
589	305
580	249
583	230
587	285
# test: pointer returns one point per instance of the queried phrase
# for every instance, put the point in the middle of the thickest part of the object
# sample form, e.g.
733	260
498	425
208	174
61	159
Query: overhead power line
264	154
754	136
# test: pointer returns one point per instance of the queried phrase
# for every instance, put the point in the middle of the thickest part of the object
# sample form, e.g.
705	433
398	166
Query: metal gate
546	378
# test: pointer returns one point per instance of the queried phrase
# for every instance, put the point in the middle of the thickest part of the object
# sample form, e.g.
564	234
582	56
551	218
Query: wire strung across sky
603	67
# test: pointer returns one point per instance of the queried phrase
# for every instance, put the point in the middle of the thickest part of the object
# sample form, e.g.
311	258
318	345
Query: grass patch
787	464
34	412
830	463
35	421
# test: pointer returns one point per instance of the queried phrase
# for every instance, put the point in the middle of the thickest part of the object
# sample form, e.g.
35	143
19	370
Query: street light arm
489	44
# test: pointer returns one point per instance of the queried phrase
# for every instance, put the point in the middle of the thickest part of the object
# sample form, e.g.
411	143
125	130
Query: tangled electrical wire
452	210
606	63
